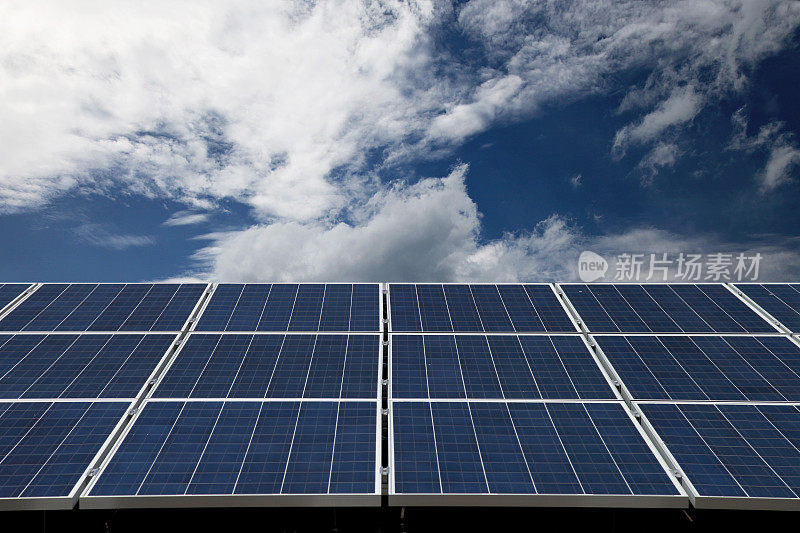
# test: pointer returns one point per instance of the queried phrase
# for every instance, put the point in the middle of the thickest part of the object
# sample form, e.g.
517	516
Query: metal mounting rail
99	460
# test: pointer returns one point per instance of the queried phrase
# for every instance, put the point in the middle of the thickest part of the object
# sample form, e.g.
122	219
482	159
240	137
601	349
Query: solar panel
732	368
105	307
495	367
781	300
47	447
476	308
292	307
523	453
734	455
244	453
34	366
10	291
663	308
274	366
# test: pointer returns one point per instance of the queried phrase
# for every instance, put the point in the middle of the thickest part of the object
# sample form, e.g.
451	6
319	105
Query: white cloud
783	153
431	231
777	171
101	235
681	107
293	108
186	218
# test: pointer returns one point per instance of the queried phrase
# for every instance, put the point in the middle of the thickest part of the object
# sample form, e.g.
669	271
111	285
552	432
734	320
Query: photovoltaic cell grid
46	447
781	300
34	366
728	450
522	448
274	366
245	448
105	307
663	308
701	368
9	291
495	367
476	308
290	307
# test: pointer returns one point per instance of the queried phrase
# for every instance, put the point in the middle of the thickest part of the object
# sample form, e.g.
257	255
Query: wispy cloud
783	152
103	236
186	218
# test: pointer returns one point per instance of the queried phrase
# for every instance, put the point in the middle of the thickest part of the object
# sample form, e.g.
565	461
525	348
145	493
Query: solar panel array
154	395
716	379
518	418
257	413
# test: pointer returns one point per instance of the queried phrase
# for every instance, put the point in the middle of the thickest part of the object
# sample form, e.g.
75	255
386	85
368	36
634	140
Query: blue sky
483	140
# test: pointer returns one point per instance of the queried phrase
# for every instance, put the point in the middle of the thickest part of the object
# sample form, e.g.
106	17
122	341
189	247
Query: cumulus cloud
426	231
431	231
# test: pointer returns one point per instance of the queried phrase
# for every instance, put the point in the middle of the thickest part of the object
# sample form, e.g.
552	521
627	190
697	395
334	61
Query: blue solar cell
78	366
549	309
596	468
441	362
9	291
264	465
463	312
220	308
353	469
433	308
732	450
706	367
326	371
501	453
360	378
252	378
246	312
522	448
522	313
310	460
460	466
336	308
781	300
177	448
632	456
416	465
278	309
307	309
548	463
491	309
364	310
663	308
477	367
516	379
404	308
409	371
46	447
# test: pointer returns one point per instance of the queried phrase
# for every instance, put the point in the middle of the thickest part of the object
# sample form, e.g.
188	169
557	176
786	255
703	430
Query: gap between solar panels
529	394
